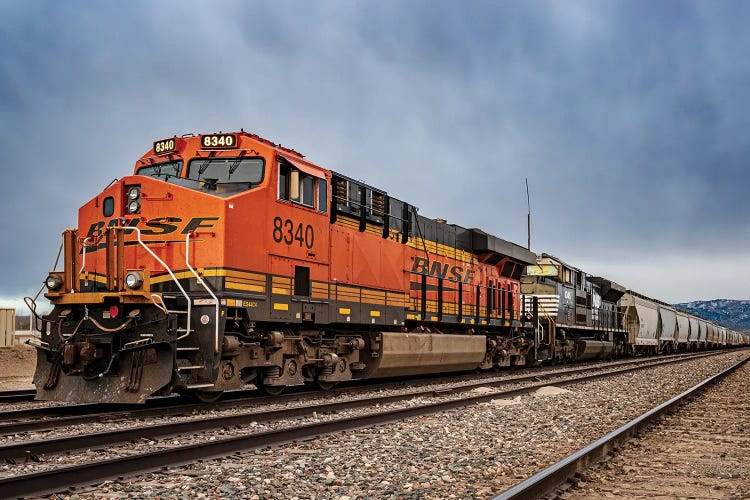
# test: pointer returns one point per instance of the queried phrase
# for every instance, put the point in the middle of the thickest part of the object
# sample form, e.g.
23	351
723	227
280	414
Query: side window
108	207
299	187
306	190
322	195
283	182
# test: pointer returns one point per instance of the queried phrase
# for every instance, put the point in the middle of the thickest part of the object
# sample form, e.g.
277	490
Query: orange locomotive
228	260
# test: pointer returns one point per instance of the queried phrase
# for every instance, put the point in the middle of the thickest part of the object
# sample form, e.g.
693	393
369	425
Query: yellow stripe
280	291
373	301
443	250
249	288
344	310
375	314
246	281
240	274
280	307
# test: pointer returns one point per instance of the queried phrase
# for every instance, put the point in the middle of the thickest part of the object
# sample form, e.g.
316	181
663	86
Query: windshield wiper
233	166
203	167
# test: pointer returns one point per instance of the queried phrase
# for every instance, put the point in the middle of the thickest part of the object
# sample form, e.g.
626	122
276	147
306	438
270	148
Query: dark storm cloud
628	118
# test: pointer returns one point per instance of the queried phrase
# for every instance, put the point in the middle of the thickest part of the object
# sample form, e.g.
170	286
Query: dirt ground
17	367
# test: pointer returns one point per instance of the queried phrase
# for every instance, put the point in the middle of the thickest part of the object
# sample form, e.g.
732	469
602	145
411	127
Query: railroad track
705	423
62	478
55	417
17	395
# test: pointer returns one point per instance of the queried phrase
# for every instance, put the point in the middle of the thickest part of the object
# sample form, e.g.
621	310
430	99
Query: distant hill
732	313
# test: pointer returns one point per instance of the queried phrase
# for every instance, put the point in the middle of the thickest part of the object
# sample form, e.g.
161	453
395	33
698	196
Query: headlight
133	280
134	193
53	282
134	206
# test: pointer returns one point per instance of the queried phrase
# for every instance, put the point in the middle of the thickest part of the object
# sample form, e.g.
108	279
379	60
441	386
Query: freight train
227	260
593	317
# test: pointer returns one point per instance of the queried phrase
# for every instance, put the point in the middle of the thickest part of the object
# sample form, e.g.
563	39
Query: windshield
227	170
163	170
217	176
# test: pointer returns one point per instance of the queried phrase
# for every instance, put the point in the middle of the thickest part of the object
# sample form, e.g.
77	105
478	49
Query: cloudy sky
630	119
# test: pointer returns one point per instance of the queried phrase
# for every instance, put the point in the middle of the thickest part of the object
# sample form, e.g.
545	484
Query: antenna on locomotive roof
528	216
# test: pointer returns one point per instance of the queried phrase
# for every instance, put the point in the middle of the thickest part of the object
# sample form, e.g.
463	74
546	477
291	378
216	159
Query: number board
219	141
165	146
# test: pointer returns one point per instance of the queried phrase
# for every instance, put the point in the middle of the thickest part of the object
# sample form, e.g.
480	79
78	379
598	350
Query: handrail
83	259
203	284
552	331
177	282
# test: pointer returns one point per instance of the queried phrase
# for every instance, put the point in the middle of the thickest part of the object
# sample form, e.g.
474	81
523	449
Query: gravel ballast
473	452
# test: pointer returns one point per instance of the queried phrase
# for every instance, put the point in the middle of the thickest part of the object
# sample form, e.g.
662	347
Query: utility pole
528	216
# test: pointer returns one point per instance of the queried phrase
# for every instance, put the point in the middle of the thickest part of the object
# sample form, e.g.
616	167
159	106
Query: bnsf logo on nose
440	270
157	225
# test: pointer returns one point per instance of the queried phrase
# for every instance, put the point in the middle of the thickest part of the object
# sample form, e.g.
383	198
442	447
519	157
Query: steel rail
61	478
17	395
83	441
548	480
61	416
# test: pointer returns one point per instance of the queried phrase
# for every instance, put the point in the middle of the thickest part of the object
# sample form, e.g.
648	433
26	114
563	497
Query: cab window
322	195
226	170
299	187
162	171
223	177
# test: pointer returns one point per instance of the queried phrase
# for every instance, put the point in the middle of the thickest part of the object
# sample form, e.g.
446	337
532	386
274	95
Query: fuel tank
592	349
398	354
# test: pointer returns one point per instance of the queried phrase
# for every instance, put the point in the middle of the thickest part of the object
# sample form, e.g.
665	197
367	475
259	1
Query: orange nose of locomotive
125	300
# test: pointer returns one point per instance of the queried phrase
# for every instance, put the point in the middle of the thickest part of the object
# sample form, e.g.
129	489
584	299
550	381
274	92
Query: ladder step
177	312
188	348
185	330
198	386
192	367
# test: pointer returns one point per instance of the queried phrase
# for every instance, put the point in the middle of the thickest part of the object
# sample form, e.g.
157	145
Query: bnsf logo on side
157	225
440	270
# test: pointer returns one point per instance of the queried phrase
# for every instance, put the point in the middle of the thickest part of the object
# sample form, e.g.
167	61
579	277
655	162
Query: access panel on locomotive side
228	260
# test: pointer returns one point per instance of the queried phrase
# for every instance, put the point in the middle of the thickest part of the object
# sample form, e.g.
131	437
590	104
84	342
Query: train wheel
271	390
326	386
207	396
